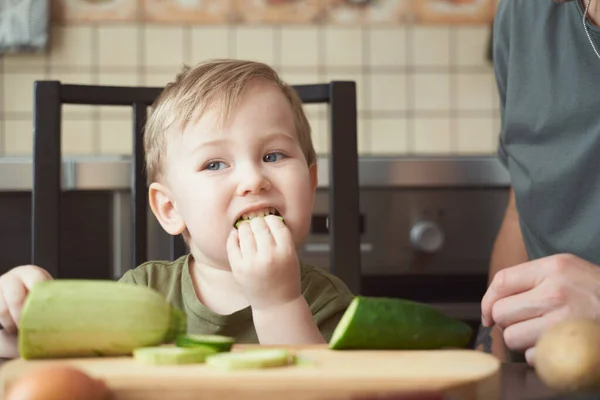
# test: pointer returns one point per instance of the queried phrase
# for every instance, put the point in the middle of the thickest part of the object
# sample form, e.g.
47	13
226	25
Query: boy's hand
14	287
263	260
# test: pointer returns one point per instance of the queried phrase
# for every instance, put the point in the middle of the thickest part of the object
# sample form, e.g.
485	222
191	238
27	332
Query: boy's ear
314	176
163	208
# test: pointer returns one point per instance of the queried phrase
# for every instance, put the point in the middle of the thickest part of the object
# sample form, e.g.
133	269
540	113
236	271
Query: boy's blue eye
214	165
272	157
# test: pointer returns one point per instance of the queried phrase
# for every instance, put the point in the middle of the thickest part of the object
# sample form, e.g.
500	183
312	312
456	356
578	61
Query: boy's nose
252	180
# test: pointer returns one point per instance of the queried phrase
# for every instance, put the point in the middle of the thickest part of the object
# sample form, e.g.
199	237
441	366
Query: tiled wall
421	89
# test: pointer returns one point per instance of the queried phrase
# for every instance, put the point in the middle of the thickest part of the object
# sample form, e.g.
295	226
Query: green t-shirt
327	296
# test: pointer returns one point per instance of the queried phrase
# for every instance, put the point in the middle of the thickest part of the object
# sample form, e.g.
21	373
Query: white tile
431	46
210	43
118	79
388	92
497	130
301	78
388	136
118	46
431	91
471	46
159	79
71	46
363	140
343	47
14	62
476	136
256	44
78	137
299	46
18	138
116	138
163	46
75	78
18	91
432	136
74	110
362	91
387	46
475	91
320	133
313	109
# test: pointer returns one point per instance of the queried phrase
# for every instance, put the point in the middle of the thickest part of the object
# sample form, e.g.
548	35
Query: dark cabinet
86	246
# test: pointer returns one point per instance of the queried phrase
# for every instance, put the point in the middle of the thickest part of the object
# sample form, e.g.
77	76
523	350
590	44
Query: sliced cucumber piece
239	221
391	323
301	361
167	355
218	342
254	359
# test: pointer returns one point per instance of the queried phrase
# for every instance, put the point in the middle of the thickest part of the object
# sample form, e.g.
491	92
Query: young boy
228	141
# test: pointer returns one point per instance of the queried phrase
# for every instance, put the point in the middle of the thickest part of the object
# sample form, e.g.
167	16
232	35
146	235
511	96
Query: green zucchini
166	355
390	323
218	342
252	359
86	318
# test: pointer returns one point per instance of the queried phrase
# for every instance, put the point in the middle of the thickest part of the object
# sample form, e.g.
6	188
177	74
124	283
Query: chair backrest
49	96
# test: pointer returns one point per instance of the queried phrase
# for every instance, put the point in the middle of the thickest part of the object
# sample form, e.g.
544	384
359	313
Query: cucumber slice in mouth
240	221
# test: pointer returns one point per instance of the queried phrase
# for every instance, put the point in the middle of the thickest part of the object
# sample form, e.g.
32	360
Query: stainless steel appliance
428	227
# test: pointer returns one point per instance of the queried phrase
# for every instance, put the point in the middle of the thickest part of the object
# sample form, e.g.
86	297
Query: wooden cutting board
461	374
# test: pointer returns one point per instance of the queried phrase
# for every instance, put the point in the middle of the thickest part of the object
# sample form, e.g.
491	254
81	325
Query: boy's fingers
233	247
262	235
6	320
280	232
33	275
9	347
14	292
246	240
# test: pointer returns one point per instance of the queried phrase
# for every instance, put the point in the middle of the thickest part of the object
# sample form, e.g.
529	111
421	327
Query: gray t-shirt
549	85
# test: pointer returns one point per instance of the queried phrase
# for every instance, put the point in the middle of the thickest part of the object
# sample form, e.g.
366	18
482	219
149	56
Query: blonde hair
194	89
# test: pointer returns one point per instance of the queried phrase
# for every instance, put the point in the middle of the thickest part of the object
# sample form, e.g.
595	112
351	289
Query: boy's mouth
258	213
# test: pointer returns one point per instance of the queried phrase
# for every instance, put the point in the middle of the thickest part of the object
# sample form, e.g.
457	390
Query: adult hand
526	299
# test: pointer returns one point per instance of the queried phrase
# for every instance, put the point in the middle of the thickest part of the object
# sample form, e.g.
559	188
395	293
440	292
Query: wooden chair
49	96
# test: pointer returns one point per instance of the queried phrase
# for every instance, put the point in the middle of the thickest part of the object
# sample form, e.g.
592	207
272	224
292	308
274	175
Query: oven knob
427	237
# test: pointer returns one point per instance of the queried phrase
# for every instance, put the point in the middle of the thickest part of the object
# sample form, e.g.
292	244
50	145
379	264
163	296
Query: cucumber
253	359
239	221
86	318
166	355
389	323
301	361
217	342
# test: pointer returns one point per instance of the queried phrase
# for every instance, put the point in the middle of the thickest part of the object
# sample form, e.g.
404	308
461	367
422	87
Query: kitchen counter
114	173
520	382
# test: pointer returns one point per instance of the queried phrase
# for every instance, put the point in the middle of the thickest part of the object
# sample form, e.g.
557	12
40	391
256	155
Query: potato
57	382
567	356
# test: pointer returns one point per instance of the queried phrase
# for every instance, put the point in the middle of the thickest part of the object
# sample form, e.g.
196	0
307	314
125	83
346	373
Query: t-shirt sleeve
328	298
136	276
501	46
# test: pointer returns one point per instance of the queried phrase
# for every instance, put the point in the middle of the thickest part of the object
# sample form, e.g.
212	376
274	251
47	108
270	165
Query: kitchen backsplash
422	89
